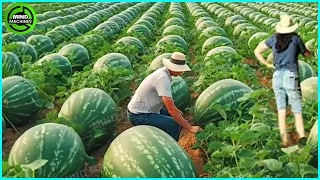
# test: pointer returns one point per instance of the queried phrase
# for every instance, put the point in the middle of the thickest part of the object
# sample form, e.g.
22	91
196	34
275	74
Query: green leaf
257	175
246	153
214	145
249	135
37	164
197	145
290	150
227	151
261	128
306	169
5	167
247	163
272	164
220	110
291	170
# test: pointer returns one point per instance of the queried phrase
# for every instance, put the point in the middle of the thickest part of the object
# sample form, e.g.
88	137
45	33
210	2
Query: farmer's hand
195	129
270	66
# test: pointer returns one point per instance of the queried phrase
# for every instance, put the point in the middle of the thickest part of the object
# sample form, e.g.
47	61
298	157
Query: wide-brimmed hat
286	25
177	62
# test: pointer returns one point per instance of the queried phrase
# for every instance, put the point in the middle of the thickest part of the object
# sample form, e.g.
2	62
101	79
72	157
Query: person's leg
165	123
281	102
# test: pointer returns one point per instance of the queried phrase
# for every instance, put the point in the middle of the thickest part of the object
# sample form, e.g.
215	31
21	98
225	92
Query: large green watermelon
24	51
309	89
62	62
213	31
169	41
180	93
144	22
56	143
313	142
41	43
19	100
174	21
305	71
256	39
146	151
221	93
11	65
157	62
205	24
214	42
112	60
77	54
93	41
140	29
219	50
200	20
174	30
130	42
95	112
10	37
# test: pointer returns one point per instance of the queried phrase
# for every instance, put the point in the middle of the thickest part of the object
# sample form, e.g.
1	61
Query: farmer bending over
146	105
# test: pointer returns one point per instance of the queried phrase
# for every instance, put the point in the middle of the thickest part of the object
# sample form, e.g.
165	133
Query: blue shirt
288	59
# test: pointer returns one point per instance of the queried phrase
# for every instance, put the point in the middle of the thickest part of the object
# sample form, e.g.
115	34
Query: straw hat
177	62
286	25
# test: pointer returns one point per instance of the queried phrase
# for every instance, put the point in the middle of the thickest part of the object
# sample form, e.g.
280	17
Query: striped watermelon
60	145
313	142
19	100
174	30
93	41
77	54
200	20
10	37
219	50
140	29
63	63
205	24
112	60
11	65
256	39
95	111
157	62
223	92
180	93
24	51
309	89
130	42
214	42
305	71
146	151
41	43
213	31
169	41
174	21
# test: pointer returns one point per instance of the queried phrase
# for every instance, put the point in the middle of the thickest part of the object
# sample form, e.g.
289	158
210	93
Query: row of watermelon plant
221	150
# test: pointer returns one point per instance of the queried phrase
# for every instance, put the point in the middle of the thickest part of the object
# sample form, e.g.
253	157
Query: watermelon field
66	86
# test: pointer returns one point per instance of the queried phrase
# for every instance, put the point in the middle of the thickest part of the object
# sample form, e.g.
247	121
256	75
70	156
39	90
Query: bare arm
175	113
258	53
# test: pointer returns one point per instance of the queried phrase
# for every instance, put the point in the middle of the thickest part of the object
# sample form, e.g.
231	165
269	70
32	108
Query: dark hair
283	41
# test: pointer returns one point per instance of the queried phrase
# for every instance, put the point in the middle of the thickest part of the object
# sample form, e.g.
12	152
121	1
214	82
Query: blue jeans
162	121
286	86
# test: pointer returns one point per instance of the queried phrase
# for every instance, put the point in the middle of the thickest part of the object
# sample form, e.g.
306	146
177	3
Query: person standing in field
146	106
286	45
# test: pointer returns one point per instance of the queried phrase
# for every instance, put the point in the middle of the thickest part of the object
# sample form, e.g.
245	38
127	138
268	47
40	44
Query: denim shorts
286	86
162	121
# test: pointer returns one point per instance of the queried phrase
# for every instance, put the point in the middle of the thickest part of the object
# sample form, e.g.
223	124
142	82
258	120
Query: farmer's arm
258	53
303	48
175	113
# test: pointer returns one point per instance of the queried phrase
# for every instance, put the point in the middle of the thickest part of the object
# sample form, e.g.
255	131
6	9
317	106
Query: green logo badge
20	18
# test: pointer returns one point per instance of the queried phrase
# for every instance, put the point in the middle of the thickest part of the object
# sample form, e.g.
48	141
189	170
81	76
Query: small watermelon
305	71
19	100
214	42
24	51
41	43
93	110
171	41
130	42
58	144
112	60
11	65
62	62
219	50
180	93
309	89
146	152
77	54
10	37
157	62
221	93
